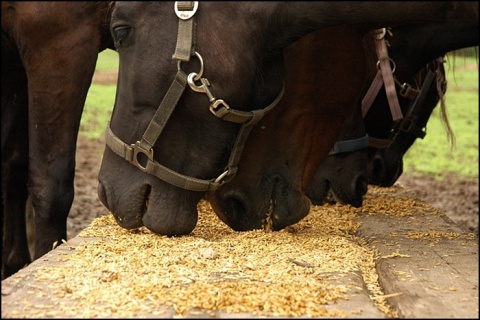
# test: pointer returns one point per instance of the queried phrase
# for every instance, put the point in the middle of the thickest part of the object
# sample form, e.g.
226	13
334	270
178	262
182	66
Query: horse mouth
129	219
235	209
271	207
267	223
288	204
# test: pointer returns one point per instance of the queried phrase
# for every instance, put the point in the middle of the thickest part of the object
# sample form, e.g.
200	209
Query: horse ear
466	9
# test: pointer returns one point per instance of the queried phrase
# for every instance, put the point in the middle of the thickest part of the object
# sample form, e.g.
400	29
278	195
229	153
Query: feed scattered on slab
290	273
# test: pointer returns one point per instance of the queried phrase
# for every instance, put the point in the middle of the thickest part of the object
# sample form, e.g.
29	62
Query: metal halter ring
391	62
198	75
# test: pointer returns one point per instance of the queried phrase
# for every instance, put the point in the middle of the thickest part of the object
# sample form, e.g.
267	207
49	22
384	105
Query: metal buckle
216	105
220	177
196	76
184	13
380	33
139	148
407	124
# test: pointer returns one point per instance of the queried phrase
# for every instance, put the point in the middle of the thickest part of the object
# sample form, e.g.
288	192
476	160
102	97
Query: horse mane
443	110
106	10
453	56
370	53
443	115
441	86
104	13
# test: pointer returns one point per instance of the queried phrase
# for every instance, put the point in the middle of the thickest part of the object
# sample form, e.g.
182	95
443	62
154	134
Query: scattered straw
285	273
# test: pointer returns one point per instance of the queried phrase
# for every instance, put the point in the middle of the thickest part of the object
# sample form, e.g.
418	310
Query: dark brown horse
174	134
289	144
49	51
343	176
414	65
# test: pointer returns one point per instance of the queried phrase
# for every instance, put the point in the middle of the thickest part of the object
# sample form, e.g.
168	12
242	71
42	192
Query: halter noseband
185	49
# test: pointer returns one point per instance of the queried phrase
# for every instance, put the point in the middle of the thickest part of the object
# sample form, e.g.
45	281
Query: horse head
288	145
343	176
418	54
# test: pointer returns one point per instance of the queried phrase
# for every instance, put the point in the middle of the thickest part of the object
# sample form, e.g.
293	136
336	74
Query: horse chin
171	218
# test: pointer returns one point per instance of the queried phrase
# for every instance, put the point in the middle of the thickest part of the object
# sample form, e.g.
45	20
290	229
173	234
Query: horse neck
300	18
421	44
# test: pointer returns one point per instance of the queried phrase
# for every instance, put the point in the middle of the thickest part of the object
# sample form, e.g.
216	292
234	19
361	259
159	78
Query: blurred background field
433	154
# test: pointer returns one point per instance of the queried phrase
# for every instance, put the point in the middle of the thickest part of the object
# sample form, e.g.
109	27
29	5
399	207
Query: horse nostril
144	205
376	169
235	206
102	195
360	184
232	208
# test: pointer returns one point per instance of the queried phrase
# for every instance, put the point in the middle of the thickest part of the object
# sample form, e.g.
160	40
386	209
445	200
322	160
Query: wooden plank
24	295
435	274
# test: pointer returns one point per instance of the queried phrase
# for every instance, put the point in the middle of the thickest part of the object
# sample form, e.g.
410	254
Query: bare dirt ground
457	197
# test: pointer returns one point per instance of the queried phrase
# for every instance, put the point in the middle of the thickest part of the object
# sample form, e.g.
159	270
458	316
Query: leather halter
185	49
400	123
344	146
384	76
417	96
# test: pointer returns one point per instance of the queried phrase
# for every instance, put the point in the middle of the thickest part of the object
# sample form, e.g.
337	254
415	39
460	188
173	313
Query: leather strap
384	77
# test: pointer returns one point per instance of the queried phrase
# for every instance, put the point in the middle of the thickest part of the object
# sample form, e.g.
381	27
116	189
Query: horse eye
120	34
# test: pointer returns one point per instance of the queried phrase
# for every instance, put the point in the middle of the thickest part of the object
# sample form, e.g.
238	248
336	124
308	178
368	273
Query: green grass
97	111
107	60
100	99
431	156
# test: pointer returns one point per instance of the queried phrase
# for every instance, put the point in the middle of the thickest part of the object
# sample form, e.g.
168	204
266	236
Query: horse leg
30	226
58	84
15	252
